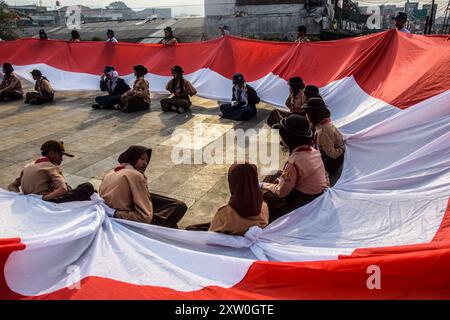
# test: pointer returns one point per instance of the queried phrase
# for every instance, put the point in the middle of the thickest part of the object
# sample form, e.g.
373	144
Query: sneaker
96	106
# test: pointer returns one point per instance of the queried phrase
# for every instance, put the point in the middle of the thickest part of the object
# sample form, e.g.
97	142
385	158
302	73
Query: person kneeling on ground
181	89
327	138
125	190
303	177
43	90
294	102
115	87
243	102
10	87
138	98
246	207
44	177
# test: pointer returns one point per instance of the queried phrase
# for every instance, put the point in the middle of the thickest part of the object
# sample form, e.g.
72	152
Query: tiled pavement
97	137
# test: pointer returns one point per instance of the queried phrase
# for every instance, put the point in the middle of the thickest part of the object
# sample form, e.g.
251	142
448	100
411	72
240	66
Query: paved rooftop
97	137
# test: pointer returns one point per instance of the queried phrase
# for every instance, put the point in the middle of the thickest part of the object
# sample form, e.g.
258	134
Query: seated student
327	138
44	177
246	207
169	39
243	103
10	87
137	98
181	89
125	189
115	87
43	90
294	102
303	177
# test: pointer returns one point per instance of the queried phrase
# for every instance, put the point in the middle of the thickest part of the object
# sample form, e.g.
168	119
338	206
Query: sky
178	6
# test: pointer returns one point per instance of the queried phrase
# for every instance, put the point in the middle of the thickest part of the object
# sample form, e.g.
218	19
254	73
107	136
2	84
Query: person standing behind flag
301	34
111	37
400	21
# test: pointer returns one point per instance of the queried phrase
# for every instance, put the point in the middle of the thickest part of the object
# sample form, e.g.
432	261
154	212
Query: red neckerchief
118	168
43	159
324	121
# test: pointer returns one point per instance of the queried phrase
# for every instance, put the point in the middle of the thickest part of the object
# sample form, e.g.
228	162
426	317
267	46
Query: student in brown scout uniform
327	138
44	91
303	177
246	207
294	102
181	89
125	190
10	87
138	98
44	177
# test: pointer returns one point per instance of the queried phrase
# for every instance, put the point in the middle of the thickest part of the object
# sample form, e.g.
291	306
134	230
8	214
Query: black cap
140	69
177	69
297	125
7	65
315	103
238	78
36	72
168	29
108	69
401	16
53	145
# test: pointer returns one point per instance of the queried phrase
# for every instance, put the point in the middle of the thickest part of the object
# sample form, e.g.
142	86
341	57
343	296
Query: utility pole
430	21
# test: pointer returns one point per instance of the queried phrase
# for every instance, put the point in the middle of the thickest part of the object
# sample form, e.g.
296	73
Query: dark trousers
8	95
280	206
275	117
81	193
107	102
167	211
36	98
333	167
237	113
199	227
130	104
168	104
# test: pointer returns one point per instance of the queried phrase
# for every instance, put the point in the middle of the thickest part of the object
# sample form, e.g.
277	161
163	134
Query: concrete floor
97	137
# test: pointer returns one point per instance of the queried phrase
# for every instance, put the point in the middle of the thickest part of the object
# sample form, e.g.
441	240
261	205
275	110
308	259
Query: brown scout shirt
11	83
125	189
304	171
328	139
295	104
227	220
40	177
188	88
43	86
141	88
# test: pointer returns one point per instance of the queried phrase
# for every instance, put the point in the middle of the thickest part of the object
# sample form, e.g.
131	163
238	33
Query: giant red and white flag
389	212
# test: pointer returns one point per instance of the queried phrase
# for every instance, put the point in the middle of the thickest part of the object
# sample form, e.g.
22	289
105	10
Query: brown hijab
246	197
133	153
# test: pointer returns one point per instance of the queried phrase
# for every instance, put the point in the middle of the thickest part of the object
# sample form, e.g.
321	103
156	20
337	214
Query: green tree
8	22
